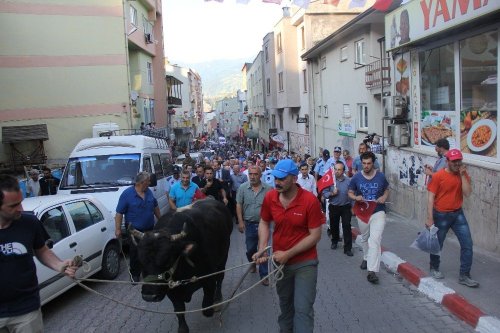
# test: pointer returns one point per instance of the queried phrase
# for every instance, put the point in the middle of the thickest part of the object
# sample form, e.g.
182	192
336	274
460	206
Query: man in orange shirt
444	210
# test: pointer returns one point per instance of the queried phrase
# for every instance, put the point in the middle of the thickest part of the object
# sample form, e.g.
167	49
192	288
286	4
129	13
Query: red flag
364	209
331	2
326	181
198	195
384	5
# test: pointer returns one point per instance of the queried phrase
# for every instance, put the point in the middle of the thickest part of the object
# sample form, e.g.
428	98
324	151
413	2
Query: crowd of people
275	198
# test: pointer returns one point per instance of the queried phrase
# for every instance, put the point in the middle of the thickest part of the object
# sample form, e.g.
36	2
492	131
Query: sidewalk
478	305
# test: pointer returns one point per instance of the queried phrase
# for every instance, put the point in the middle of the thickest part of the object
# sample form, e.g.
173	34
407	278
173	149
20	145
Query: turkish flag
327	180
198	195
364	210
385	5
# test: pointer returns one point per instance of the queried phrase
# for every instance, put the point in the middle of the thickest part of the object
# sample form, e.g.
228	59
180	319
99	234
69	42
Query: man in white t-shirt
33	184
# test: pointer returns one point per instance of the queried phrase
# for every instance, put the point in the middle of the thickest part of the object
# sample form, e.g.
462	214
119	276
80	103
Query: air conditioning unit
393	106
149	38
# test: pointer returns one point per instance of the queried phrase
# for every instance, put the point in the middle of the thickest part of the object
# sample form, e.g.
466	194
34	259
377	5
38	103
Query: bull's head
159	251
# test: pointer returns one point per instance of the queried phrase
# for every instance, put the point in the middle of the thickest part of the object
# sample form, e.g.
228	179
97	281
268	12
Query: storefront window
478	112
437	95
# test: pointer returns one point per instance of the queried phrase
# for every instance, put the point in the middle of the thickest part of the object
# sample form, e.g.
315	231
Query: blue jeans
297	292
458	223
252	241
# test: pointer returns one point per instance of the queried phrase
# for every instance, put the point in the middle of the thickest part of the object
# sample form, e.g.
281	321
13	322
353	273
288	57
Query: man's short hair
340	163
185	173
368	155
8	184
142	176
443	143
209	168
45	168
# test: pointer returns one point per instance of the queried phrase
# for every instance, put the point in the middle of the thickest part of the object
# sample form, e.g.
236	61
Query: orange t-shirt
447	188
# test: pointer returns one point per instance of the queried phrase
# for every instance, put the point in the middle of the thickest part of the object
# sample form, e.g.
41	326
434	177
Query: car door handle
72	245
103	229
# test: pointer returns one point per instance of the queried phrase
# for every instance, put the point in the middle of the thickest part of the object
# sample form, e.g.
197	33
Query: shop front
445	70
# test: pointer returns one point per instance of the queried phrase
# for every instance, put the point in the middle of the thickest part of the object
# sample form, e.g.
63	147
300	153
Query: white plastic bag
427	241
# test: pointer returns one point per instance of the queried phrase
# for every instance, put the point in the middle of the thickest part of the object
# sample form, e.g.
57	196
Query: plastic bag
427	241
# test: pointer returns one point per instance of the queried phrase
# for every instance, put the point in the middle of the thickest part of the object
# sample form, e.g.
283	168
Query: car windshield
104	170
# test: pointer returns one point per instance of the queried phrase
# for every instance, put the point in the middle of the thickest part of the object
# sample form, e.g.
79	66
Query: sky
198	30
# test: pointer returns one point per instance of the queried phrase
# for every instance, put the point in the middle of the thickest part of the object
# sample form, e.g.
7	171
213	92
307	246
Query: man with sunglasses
444	210
297	220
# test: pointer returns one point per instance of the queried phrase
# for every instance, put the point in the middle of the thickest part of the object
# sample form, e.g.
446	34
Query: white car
78	225
197	157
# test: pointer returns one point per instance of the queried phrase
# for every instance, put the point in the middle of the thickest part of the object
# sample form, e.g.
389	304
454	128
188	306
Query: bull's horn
134	232
178	236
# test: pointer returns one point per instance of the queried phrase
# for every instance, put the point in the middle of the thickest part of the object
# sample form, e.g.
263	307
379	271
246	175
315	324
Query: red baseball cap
454	154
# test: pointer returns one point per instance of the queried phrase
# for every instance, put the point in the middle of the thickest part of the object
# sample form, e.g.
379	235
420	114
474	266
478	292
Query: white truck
106	166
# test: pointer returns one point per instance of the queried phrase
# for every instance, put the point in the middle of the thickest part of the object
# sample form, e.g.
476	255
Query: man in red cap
444	210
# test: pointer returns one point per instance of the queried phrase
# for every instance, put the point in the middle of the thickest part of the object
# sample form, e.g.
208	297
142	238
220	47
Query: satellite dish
134	95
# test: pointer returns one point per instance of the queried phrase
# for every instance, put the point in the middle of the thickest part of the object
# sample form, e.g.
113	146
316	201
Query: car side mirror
50	243
152	180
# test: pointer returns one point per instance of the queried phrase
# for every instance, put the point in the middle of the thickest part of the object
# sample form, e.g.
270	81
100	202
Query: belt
253	222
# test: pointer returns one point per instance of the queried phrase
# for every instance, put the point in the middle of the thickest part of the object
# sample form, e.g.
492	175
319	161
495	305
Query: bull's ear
189	249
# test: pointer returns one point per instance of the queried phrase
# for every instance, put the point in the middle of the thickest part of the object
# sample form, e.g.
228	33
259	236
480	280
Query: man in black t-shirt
49	183
22	236
212	186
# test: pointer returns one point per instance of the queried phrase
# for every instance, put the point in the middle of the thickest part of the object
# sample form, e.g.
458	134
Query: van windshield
99	171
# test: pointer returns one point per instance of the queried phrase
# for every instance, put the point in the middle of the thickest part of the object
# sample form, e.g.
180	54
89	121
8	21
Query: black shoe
372	277
363	265
348	253
333	246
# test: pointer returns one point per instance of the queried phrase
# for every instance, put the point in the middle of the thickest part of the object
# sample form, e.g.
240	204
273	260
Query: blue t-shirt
370	189
181	196
139	212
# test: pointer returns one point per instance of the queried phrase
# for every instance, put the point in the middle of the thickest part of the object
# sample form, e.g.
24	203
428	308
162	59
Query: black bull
194	242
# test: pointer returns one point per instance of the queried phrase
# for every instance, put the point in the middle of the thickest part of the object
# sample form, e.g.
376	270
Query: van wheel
110	262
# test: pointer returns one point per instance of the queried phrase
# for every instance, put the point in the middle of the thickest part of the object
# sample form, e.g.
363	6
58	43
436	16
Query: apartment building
67	66
343	108
255	99
185	103
228	116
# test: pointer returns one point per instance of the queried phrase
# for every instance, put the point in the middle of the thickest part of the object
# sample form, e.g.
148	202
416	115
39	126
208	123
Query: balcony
174	101
378	73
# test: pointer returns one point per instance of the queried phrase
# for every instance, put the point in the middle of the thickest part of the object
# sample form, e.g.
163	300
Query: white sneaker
436	274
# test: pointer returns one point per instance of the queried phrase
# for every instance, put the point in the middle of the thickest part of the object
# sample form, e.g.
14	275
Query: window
304	78
278	43
303	38
150	72
280	81
95	213
55	224
320	109
280	118
362	116
343	53
268	86
266	52
273	121
323	63
359	57
325	111
157	166
133	16
307	124
80	215
146	165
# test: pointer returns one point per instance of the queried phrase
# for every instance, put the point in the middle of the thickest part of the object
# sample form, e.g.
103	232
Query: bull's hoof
183	329
208	312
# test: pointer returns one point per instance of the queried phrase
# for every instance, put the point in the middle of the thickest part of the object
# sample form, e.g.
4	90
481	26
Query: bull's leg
218	293
180	306
208	297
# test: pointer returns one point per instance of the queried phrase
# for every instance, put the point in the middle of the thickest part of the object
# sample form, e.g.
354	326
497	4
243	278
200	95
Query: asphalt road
346	302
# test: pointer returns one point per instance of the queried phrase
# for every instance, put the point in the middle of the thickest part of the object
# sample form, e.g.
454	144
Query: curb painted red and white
437	291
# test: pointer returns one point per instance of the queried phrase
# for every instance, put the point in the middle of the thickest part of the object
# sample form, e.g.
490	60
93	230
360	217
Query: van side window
146	165
157	166
166	164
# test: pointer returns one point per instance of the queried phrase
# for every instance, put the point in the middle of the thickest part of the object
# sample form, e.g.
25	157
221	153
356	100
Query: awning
12	134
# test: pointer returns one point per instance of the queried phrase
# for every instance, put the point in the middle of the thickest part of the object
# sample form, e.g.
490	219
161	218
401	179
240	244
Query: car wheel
110	262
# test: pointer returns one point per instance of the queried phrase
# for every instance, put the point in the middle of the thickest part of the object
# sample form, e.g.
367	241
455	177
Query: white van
106	166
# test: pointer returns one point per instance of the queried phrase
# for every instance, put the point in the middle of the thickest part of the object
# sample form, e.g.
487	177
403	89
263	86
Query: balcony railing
378	72
174	101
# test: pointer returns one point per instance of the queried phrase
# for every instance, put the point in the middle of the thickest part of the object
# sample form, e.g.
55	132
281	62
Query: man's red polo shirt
291	225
